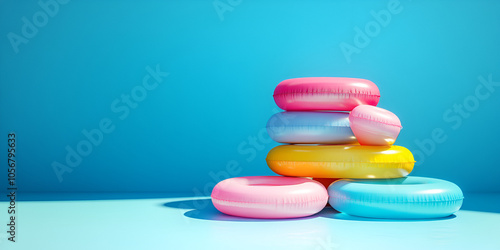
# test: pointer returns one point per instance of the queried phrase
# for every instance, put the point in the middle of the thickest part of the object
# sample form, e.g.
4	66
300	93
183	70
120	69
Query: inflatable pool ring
325	93
303	127
402	198
341	161
374	126
269	197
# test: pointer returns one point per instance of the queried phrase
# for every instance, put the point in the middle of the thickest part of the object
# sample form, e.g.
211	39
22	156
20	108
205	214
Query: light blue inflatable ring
304	127
401	198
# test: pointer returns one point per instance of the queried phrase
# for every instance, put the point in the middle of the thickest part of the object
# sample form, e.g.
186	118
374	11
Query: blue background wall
205	120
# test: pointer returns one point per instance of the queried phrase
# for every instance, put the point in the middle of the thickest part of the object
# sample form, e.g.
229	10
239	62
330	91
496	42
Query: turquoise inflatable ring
401	198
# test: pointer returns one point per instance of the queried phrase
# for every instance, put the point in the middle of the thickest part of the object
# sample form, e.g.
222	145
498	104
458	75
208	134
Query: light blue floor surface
157	221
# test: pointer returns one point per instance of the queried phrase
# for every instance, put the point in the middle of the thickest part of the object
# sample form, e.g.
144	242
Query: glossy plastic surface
311	127
325	93
374	125
341	161
269	197
402	198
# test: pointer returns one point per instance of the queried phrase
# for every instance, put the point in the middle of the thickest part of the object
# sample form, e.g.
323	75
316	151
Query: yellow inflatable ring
341	161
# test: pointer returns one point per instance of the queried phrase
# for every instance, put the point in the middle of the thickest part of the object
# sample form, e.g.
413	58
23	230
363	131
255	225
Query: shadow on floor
203	209
480	202
331	213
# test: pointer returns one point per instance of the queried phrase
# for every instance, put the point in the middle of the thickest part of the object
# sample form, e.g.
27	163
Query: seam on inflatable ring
399	126
347	199
316	200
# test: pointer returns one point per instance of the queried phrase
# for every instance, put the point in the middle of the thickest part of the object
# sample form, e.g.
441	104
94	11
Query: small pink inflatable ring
325	93
374	126
269	197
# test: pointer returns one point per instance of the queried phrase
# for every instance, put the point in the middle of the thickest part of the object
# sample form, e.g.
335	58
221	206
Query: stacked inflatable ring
339	149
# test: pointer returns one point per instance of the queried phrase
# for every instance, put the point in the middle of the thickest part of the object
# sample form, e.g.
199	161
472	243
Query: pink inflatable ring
269	197
325	93
374	126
